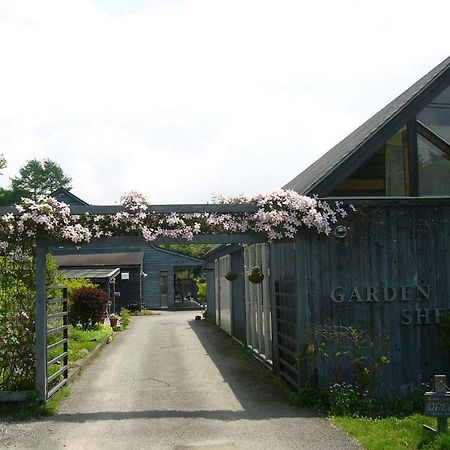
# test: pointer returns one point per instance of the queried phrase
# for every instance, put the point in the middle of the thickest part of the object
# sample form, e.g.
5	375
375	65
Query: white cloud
186	99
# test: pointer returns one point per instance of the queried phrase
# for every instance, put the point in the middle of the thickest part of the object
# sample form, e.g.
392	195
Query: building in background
149	276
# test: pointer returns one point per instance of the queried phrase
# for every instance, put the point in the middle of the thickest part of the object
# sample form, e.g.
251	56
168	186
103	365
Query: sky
182	100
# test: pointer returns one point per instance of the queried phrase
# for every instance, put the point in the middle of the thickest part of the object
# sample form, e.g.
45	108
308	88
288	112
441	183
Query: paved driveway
170	382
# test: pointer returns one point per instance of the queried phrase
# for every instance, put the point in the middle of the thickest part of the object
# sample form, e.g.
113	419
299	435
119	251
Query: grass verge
393	433
81	343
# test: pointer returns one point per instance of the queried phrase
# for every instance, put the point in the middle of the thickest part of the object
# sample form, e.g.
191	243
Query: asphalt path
170	382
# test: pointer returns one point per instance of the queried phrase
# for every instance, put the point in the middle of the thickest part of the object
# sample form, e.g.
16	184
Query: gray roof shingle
100	259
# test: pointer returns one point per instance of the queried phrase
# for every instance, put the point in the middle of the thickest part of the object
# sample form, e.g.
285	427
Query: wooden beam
413	158
41	319
158	209
434	138
363	185
137	241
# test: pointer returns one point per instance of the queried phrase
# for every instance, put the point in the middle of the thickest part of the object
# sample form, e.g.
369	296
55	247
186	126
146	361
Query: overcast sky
182	100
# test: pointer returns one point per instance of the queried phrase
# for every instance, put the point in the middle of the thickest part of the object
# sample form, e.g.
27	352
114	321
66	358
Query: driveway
170	382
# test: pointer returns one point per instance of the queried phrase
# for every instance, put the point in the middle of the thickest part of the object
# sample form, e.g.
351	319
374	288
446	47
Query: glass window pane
434	169
436	115
383	174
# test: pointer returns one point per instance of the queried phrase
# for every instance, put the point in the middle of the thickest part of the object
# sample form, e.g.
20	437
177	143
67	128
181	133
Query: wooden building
148	273
386	270
114	272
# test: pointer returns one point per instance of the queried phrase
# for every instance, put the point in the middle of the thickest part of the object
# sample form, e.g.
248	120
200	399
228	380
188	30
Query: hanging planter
255	275
231	276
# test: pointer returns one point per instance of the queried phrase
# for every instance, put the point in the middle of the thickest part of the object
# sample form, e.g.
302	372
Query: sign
437	405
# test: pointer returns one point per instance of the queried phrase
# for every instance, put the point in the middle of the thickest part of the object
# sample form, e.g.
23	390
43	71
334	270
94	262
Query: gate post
41	319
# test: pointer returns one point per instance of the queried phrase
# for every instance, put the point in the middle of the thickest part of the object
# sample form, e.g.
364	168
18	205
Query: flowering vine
279	215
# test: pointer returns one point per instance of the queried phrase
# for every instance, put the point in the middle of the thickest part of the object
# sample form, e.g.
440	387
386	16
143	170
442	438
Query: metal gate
54	372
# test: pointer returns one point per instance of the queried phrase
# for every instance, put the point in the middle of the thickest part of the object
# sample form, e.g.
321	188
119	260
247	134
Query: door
164	289
223	293
257	301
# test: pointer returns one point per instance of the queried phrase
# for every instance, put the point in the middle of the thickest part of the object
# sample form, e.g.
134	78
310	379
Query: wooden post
441	389
437	403
41	320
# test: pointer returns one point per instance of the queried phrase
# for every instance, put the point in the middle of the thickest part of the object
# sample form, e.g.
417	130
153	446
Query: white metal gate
257	302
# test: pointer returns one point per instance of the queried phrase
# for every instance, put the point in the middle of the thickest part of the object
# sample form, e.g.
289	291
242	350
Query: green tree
2	163
38	178
4	193
195	250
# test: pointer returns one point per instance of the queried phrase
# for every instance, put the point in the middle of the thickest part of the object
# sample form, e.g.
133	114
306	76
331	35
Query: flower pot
231	276
113	321
255	277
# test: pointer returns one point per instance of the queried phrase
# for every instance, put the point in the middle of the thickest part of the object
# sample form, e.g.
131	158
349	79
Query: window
436	115
383	174
434	169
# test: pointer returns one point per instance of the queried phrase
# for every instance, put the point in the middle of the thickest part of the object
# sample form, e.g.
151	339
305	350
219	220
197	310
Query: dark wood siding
391	246
155	261
130	290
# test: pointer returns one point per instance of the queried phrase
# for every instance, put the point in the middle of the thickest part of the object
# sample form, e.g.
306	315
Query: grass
145	312
393	433
81	343
20	411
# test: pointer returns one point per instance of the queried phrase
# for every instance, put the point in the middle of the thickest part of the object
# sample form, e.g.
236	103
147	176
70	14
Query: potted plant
113	319
255	275
231	276
201	280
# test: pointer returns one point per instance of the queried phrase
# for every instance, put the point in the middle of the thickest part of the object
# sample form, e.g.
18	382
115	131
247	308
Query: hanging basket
231	276
255	278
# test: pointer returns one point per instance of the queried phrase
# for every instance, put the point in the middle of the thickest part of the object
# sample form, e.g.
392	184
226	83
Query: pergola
44	245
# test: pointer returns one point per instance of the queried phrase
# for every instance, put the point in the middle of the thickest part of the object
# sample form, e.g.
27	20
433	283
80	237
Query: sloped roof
62	194
90	273
100	259
324	174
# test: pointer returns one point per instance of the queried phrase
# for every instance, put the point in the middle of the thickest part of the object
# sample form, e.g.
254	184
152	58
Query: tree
195	250
38	178
2	163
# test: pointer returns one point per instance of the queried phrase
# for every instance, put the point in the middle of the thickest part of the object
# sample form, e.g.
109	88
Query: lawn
82	342
392	433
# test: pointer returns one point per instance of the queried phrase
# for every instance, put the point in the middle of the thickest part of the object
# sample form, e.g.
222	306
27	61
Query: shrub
350	354
345	399
17	322
87	306
125	318
349	400
73	284
202	290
